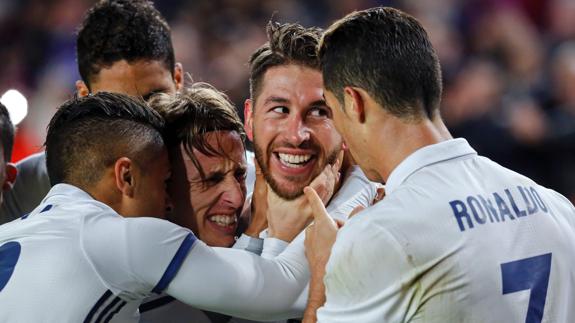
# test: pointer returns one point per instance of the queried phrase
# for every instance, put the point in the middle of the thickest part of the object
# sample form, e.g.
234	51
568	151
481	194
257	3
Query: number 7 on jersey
529	273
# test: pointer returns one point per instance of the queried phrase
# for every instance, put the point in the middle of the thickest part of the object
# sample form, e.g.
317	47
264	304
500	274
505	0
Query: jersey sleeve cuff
273	247
251	244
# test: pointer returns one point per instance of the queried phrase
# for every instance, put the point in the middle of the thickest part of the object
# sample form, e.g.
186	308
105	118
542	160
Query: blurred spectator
508	65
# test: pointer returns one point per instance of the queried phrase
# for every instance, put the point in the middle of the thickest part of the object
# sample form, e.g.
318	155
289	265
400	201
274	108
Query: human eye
213	179
280	110
320	112
241	174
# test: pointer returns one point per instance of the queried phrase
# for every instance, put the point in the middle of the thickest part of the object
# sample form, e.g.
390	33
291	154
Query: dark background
508	65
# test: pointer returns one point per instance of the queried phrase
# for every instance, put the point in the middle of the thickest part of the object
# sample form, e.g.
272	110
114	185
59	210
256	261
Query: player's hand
321	235
258	205
327	181
287	219
319	238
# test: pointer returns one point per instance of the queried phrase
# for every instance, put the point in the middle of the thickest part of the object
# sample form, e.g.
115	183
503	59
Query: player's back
45	275
506	250
460	240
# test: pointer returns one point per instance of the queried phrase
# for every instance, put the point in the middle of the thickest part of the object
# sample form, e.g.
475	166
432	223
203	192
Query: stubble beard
277	187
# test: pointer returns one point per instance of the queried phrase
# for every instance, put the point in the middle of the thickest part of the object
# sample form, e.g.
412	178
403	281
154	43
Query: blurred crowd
508	65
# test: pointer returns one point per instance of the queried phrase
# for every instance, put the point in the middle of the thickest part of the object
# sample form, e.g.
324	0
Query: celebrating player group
356	204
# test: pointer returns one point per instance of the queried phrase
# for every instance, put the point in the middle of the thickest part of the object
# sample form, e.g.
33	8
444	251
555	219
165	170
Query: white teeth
293	160
223	220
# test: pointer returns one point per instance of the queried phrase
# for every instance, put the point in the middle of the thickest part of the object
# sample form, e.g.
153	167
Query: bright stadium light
16	104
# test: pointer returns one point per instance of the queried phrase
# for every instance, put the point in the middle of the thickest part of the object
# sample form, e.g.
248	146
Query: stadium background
508	65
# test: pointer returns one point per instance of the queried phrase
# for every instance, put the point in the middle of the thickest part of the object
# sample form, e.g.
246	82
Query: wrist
254	231
284	236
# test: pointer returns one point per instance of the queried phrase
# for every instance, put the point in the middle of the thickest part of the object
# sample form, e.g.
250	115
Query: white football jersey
73	259
56	253
356	190
458	238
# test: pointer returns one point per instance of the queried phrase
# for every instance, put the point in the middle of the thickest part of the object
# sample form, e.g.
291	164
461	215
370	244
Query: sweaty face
151	191
294	135
140	78
210	207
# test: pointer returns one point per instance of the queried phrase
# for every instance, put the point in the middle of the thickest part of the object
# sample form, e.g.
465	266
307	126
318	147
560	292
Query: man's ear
248	117
82	88
179	76
355	99
124	176
11	173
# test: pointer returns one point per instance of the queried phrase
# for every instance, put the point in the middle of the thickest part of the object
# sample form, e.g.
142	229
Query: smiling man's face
210	206
293	132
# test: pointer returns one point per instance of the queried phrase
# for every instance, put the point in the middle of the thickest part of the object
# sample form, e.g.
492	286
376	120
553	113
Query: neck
400	139
102	192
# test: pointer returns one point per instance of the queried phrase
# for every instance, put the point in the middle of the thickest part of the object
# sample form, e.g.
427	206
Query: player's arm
320	237
139	255
241	284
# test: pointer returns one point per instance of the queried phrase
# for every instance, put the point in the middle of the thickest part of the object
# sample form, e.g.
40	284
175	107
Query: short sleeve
135	256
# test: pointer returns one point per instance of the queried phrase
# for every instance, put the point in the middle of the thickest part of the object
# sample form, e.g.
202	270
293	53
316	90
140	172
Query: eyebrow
276	99
318	102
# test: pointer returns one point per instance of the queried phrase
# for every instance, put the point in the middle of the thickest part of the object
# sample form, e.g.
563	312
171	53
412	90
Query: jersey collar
426	156
68	191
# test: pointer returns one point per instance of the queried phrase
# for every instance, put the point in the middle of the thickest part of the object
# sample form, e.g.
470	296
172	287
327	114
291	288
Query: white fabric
80	248
432	251
251	244
355	190
73	250
251	172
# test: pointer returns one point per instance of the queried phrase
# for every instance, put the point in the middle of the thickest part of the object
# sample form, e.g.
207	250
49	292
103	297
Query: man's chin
287	191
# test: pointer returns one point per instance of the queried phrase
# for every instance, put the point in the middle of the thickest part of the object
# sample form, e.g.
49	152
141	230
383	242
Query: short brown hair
287	43
387	53
192	113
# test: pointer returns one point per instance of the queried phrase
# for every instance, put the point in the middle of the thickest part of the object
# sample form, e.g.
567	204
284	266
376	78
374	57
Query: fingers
258	168
316	204
339	161
324	183
380	195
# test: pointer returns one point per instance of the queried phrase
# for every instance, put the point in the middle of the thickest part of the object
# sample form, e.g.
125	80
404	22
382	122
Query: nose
233	194
296	132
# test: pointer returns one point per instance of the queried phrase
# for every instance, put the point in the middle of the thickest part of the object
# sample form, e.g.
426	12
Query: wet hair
6	133
194	112
115	30
87	135
287	43
388	54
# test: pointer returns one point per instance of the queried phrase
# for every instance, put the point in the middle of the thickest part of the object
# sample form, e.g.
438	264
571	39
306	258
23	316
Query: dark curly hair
115	30
287	43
